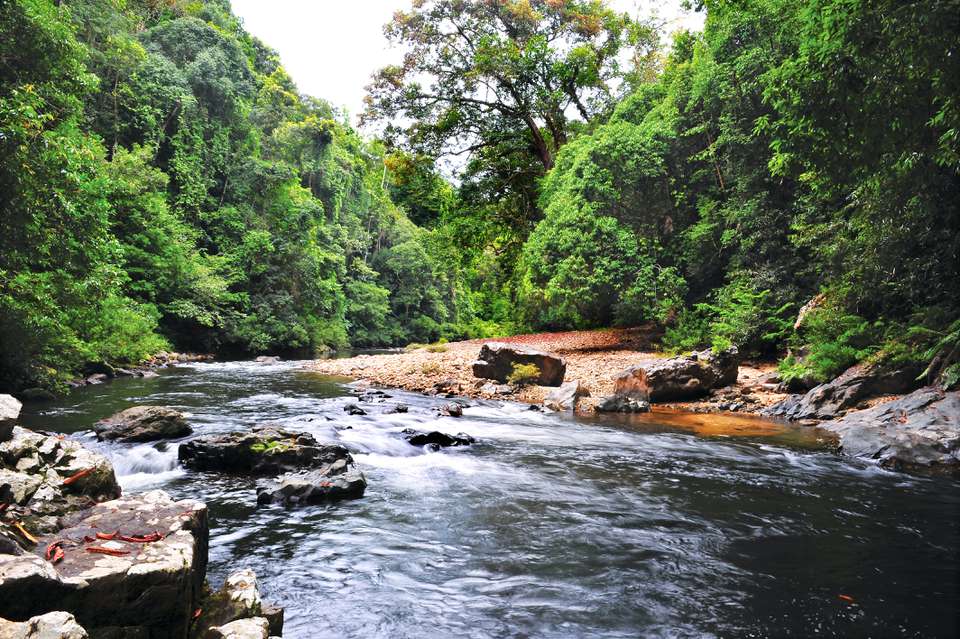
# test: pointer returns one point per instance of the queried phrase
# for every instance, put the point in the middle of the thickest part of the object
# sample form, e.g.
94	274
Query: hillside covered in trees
165	185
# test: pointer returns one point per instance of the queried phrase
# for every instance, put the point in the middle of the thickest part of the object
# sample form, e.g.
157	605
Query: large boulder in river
678	378
854	385
43	477
143	424
917	432
53	625
496	361
132	567
9	412
262	450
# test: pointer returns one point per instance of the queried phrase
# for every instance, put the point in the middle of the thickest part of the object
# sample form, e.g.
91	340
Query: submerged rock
143	578
496	361
353	409
679	378
263	450
52	625
36	395
143	424
566	397
854	385
918	432
436	438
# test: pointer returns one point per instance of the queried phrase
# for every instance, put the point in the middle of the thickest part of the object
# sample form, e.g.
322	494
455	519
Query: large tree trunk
543	150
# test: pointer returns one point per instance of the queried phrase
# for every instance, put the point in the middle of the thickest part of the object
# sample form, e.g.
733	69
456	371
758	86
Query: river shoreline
593	358
873	414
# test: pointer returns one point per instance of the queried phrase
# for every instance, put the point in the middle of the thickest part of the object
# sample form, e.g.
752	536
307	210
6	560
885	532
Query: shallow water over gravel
551	526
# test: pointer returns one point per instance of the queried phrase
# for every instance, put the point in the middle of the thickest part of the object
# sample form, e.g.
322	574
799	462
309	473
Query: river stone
566	397
918	432
33	469
239	598
53	625
143	424
17	488
267	359
678	378
9	413
255	628
353	409
152	591
263	450
497	359
623	404
340	480
854	385
436	439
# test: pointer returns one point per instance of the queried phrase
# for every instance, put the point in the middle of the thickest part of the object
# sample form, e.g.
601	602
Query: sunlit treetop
477	73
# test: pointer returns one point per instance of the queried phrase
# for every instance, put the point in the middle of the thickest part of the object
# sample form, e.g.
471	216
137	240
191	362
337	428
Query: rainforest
165	184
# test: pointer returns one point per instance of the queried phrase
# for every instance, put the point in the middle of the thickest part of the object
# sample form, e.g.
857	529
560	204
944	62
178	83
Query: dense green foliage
788	150
164	184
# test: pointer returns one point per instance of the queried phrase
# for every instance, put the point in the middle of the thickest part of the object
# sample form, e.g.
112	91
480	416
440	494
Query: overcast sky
331	47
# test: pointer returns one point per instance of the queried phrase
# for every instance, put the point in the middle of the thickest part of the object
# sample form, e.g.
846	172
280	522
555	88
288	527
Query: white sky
332	47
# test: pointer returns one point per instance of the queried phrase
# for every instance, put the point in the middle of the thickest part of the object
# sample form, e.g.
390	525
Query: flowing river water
552	526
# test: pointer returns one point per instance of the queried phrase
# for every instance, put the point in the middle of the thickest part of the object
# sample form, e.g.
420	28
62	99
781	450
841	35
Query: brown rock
497	359
678	378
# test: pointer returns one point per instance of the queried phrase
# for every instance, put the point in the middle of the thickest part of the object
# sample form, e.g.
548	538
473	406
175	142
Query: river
551	526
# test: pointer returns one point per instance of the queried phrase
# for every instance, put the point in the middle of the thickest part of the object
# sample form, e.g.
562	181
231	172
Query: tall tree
492	73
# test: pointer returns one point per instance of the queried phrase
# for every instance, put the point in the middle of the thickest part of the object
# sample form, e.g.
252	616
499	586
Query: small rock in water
340	480
452	409
399	408
267	359
436	438
353	409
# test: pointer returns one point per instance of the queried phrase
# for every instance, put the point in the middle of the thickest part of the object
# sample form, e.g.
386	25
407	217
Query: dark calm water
552	526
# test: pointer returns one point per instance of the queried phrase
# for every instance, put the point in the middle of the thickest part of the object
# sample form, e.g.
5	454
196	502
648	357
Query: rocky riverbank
874	414
79	560
592	357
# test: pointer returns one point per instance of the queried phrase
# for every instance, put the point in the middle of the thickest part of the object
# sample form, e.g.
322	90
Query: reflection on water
554	526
